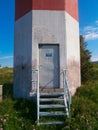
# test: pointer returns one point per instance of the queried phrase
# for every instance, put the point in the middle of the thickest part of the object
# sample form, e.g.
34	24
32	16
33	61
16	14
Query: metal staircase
53	104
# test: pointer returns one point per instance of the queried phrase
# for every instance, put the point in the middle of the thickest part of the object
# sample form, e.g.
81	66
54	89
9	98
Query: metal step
51	123
51	94
45	114
51	106
51	99
51	90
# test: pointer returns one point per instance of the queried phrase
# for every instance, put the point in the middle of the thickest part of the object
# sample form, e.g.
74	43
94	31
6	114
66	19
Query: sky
88	23
6	32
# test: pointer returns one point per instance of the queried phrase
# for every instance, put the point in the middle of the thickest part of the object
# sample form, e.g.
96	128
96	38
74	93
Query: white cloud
91	32
6	57
88	28
94	58
91	36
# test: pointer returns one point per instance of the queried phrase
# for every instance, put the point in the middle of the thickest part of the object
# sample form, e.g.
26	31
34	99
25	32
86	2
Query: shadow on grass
7	90
27	109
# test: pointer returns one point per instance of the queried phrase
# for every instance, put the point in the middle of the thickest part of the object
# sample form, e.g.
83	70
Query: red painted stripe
24	6
72	8
48	4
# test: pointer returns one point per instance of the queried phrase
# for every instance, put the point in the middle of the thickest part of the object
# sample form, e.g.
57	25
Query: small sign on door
48	54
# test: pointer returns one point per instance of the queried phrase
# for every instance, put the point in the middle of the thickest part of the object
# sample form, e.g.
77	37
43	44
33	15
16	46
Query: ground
20	114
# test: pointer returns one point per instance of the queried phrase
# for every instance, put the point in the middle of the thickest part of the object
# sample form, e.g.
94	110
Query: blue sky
6	32
88	21
88	18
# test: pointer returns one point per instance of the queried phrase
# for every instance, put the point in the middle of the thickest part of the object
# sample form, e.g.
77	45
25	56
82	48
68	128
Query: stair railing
34	81
35	88
38	96
67	93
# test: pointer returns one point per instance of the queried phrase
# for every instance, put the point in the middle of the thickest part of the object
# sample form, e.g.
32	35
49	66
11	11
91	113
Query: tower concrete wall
53	22
23	56
73	53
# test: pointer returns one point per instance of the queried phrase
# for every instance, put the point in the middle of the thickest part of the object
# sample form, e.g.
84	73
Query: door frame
47	44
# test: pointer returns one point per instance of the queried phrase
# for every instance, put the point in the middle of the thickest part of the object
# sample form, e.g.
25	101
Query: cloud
90	32
94	58
6	57
91	36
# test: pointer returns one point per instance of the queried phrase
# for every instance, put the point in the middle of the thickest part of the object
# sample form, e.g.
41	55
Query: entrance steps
53	104
51	107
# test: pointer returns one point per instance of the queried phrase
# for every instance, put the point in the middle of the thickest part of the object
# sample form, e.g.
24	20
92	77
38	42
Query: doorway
48	66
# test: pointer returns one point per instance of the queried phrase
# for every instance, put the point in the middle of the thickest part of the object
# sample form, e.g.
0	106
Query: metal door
49	66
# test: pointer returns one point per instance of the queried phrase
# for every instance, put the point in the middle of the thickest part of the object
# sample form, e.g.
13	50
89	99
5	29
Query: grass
20	114
6	75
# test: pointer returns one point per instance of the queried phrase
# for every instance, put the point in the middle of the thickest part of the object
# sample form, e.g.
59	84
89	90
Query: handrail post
34	80
67	95
38	98
35	88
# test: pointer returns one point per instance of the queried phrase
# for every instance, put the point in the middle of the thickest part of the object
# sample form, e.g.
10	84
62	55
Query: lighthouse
46	45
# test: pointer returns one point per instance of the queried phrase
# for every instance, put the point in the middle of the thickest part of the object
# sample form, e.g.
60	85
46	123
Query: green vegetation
6	75
19	114
86	65
6	78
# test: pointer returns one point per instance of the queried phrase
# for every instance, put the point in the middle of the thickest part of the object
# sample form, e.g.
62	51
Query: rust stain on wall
73	74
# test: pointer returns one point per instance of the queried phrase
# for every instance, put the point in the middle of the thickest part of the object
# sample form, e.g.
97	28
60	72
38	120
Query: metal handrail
35	88
67	93
38	96
34	80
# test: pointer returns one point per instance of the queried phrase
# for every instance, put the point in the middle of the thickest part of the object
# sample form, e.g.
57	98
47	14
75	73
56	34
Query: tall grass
6	79
20	114
6	75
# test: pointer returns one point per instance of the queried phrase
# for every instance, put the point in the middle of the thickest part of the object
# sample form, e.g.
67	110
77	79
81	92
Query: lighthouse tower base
46	44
